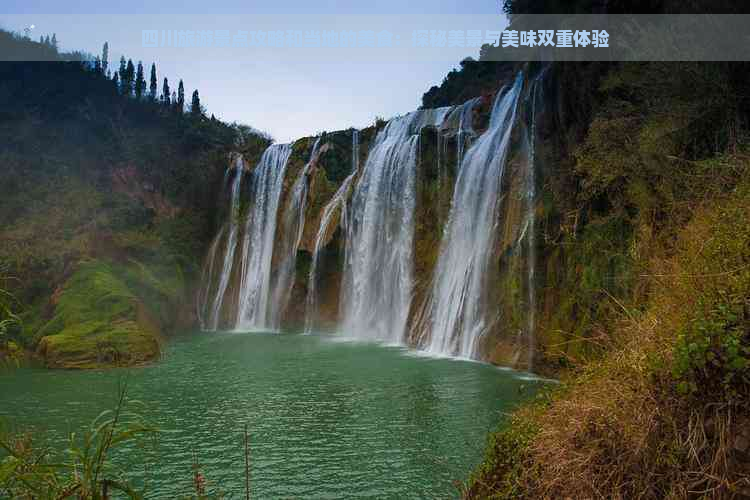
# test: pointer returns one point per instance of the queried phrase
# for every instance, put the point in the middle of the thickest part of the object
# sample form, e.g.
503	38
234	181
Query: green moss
97	320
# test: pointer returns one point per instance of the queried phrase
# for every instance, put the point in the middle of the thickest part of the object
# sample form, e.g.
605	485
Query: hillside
107	202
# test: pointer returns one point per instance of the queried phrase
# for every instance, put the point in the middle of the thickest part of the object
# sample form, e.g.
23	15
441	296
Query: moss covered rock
97	321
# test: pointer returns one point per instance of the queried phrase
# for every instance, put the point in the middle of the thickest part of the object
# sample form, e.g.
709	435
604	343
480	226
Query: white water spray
260	231
377	284
292	227
457	310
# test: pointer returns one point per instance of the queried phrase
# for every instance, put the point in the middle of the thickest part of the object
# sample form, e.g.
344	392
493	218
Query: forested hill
100	168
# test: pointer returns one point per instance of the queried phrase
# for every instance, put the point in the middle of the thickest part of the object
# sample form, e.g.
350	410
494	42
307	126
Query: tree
97	65
41	39
153	87
181	97
195	104
127	80
54	41
165	93
140	82
174	98
105	57
46	40
116	81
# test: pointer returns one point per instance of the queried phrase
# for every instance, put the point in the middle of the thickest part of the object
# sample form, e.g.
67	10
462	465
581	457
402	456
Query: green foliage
9	320
473	79
498	475
89	173
714	349
87	473
712	352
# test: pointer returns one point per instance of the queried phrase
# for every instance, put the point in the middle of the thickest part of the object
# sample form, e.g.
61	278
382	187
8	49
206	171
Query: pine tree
127	81
116	81
41	39
97	65
140	82
152	88
46	40
54	41
174	98
165	93
105	57
195	104
181	97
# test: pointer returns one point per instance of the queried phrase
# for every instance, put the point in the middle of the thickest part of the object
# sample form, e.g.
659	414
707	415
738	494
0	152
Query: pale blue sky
288	92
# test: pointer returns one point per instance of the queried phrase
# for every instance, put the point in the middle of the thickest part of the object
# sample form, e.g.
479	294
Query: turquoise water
327	419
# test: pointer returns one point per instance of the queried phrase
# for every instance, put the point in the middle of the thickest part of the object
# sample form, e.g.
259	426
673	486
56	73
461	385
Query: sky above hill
310	83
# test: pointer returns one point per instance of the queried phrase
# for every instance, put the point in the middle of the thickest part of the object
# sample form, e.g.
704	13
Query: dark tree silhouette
195	104
152	87
128	79
181	97
140	82
54	41
165	95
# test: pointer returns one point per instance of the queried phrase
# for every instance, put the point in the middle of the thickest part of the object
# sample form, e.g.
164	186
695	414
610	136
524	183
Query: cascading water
207	277
465	131
291	234
456	310
528	235
377	283
260	231
212	311
337	202
375	208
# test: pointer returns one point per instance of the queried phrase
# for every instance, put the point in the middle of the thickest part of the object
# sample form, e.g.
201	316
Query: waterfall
291	235
457	309
250	267
377	283
528	235
260	231
211	322
457	124
337	202
461	119
207	277
465	128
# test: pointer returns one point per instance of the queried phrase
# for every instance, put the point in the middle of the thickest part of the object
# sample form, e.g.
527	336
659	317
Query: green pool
327	418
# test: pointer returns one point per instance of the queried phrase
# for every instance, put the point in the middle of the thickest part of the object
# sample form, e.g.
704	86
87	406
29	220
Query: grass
662	412
650	308
86	473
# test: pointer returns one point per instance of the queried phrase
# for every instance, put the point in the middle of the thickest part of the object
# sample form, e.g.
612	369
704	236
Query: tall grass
86	472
